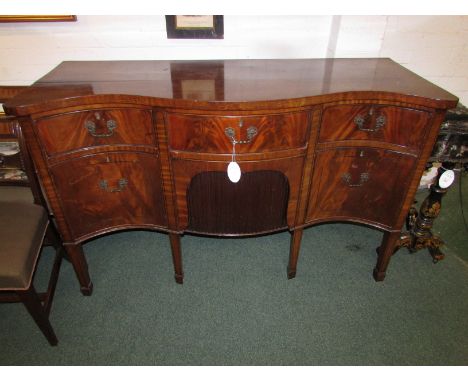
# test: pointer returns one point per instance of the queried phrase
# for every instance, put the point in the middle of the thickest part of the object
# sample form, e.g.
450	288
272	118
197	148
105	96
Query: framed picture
195	26
36	18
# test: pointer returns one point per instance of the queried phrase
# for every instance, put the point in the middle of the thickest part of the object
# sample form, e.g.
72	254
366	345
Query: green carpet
237	307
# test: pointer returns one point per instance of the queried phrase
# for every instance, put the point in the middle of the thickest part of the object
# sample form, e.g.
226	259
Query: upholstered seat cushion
16	194
22	229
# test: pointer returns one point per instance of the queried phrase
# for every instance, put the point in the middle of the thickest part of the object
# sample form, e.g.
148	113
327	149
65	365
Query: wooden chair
25	227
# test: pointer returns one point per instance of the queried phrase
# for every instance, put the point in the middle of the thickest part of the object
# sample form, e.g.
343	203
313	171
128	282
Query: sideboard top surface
231	81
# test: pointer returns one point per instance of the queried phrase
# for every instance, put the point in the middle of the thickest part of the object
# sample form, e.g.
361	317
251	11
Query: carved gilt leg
420	224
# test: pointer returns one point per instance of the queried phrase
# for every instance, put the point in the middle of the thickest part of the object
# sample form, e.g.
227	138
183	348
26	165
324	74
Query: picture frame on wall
195	26
35	18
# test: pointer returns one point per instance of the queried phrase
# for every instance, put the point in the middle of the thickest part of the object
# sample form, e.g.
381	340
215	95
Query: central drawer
254	133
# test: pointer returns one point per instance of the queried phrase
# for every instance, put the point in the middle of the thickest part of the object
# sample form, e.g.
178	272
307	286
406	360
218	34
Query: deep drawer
254	134
72	131
391	124
103	191
359	184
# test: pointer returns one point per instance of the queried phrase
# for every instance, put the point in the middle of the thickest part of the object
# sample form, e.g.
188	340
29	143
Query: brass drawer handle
110	124
231	134
361	121
121	184
363	178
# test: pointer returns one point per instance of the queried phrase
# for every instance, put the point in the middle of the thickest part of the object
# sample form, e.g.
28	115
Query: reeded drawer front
254	134
256	204
359	184
109	190
392	124
71	131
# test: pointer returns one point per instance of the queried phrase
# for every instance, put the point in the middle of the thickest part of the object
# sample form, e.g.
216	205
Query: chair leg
49	295
33	304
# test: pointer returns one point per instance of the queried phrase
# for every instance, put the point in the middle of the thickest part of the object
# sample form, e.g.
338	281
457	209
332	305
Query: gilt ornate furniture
450	151
146	144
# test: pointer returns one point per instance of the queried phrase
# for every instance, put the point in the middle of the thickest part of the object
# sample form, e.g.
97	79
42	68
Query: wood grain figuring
359	185
84	129
167	176
207	134
93	206
143	144
401	126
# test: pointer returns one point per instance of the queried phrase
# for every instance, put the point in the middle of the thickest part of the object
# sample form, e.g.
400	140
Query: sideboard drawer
392	124
254	134
75	130
99	192
359	184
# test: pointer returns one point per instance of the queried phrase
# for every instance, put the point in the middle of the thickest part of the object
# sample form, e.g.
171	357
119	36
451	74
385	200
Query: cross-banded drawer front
391	124
99	192
362	184
72	131
252	134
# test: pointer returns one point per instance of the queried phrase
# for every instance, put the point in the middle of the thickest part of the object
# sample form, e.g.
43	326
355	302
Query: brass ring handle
121	184
91	127
363	178
231	134
361	120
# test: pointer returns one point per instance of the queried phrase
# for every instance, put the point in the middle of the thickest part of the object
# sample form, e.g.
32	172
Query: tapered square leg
176	257
295	247
385	252
78	260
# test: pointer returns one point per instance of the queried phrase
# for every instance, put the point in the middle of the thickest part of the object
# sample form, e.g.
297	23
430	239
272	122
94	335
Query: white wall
435	47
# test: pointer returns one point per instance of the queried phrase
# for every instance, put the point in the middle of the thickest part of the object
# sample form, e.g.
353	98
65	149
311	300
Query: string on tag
233	157
233	170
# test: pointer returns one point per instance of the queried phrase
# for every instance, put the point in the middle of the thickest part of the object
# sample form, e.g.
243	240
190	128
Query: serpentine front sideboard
147	144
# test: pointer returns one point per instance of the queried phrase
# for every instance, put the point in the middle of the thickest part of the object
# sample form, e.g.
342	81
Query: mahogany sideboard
146	145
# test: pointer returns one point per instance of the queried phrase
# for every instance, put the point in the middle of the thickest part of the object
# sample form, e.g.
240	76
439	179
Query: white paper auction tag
234	172
446	179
